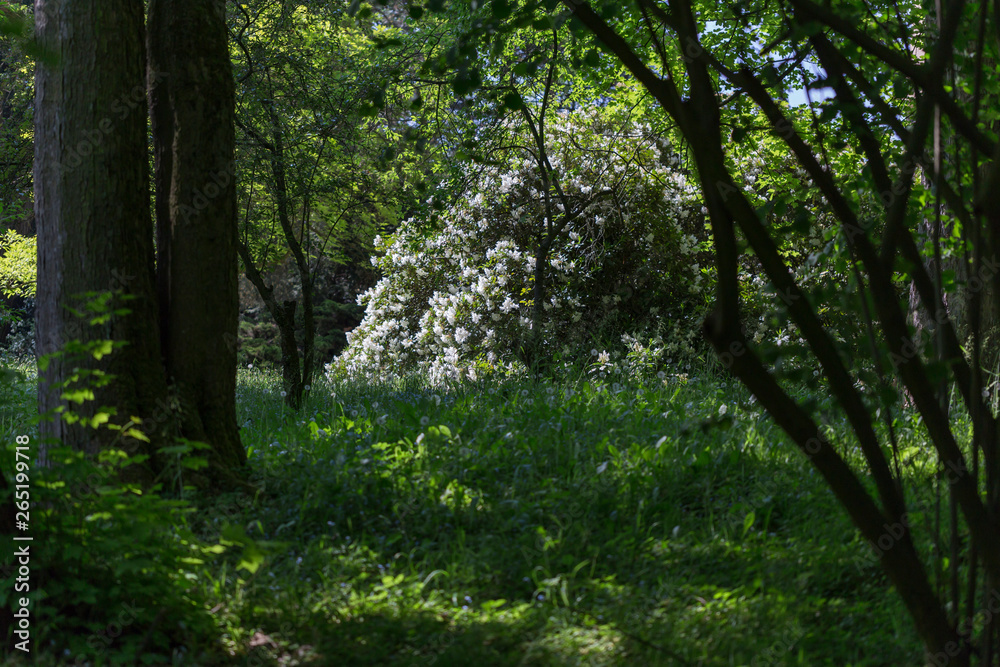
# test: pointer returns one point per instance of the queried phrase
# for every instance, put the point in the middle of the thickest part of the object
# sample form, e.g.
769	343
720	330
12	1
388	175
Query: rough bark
192	102
92	211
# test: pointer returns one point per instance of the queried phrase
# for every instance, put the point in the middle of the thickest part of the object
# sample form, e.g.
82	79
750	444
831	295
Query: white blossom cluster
457	301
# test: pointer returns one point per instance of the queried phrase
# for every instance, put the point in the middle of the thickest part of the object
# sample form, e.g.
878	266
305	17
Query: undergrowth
579	522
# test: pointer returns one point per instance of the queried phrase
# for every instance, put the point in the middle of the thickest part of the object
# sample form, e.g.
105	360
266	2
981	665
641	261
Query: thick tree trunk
192	102
92	211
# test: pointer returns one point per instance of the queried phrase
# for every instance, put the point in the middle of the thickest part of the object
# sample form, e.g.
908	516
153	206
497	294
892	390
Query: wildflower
424	421
722	409
284	393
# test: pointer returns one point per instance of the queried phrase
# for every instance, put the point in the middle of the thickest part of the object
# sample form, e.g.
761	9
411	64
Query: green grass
547	524
523	523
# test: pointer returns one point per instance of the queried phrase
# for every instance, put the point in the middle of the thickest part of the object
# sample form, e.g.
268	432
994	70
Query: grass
531	523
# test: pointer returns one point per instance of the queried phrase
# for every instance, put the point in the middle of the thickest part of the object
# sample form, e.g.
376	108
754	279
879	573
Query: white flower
461	335
722	409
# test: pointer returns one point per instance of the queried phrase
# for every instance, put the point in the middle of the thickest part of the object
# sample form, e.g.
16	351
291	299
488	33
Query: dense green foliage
578	521
17	265
527	452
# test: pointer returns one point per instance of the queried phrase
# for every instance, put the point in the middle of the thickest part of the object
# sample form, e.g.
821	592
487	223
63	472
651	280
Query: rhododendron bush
456	299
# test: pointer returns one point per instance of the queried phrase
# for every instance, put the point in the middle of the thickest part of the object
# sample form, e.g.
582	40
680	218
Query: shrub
120	585
456	297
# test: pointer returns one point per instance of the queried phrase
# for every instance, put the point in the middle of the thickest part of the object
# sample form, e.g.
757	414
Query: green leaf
500	9
829	113
252	558
513	101
542	24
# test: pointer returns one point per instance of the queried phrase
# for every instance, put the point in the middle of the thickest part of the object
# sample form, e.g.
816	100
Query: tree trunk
192	103
308	330
92	211
283	315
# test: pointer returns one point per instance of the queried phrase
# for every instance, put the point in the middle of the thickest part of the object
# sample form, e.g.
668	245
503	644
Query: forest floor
531	523
583	522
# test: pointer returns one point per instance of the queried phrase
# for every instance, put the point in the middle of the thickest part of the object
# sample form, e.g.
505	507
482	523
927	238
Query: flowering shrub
456	301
